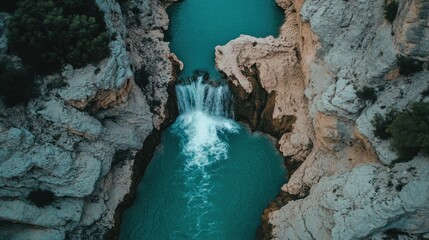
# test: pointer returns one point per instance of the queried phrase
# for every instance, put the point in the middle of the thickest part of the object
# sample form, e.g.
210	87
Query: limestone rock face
265	77
398	95
359	203
156	68
411	34
79	141
309	76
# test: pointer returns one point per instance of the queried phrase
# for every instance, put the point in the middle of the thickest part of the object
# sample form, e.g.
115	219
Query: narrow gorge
293	119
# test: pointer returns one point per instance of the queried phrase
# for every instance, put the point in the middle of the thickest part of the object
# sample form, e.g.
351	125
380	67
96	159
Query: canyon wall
301	88
79	141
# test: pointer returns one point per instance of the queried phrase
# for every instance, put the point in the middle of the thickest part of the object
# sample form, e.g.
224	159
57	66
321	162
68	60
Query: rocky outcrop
411	35
265	77
78	139
326	51
156	66
356	204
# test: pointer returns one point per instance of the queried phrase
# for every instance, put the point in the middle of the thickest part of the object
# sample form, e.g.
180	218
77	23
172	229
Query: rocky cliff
301	87
78	139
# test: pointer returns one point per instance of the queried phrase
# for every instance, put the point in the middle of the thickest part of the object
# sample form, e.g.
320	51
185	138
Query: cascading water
202	122
199	95
204	111
210	178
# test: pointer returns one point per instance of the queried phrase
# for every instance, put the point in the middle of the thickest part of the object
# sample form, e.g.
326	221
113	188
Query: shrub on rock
390	10
381	124
410	132
408	65
16	83
367	94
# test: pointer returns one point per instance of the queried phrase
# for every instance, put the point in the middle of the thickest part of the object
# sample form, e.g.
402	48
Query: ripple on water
210	178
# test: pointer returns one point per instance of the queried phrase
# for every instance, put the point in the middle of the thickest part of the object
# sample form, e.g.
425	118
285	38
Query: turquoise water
197	26
210	178
183	197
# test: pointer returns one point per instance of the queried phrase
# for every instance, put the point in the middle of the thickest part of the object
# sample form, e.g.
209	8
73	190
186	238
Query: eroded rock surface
325	53
79	141
358	203
266	79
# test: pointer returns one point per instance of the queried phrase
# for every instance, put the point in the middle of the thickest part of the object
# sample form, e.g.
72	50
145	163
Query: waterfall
205	116
201	96
205	112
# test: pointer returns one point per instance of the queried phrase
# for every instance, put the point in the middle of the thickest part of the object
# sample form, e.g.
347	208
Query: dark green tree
408	65
16	83
367	94
8	5
381	124
390	10
410	132
48	34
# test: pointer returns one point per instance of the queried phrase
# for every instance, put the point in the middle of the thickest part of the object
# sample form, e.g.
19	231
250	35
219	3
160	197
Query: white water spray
204	118
204	111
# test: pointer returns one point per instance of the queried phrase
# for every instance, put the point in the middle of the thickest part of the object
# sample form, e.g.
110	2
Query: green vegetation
408	65
390	10
16	83
41	198
382	123
410	132
7	5
47	34
367	94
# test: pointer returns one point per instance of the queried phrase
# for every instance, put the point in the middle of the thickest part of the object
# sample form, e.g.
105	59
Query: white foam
204	119
201	140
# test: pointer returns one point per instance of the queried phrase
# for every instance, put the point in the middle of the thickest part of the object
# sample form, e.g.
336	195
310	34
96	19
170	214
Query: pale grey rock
66	140
102	82
80	123
110	191
129	125
352	34
340	98
399	94
150	54
359	203
347	192
276	64
86	171
410	27
58	214
18	232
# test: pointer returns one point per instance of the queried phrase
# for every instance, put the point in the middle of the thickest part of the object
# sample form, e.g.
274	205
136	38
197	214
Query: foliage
16	83
41	198
47	34
141	77
7	5
56	83
390	10
408	65
382	123
410	132
367	94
